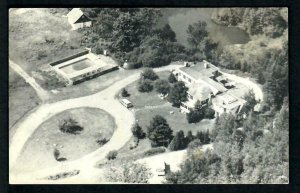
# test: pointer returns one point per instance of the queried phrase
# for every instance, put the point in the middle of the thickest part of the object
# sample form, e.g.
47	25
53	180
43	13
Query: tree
189	137
137	131
166	33
200	136
251	101
159	132
129	173
206	138
148	73
196	34
126	34
178	142
178	94
70	125
145	85
124	93
172	79
162	86
209	113
194	116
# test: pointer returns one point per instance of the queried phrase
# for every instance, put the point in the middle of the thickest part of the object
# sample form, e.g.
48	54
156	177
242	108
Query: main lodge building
206	84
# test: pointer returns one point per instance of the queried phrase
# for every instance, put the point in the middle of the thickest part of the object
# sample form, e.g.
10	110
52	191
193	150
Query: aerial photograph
148	95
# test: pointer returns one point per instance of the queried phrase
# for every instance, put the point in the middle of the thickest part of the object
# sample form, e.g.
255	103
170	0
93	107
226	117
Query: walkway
43	95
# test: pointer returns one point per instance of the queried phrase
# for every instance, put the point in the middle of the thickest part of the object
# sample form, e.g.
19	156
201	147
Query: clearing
38	151
33	42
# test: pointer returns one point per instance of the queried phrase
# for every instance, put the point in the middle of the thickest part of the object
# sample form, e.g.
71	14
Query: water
180	18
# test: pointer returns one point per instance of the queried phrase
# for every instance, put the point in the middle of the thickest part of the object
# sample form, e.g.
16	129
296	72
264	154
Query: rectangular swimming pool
77	66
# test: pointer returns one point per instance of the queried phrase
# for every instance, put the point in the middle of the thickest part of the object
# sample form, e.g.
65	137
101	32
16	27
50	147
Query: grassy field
38	150
38	36
22	99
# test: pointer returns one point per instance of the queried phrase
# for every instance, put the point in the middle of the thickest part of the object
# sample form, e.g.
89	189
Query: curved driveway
105	100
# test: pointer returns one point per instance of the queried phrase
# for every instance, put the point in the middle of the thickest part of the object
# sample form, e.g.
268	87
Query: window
191	97
184	77
189	80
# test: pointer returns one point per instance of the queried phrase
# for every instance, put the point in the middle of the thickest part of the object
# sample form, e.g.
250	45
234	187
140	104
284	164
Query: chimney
205	64
186	64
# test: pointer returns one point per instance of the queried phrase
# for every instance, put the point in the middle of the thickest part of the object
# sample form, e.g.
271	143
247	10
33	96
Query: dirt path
43	95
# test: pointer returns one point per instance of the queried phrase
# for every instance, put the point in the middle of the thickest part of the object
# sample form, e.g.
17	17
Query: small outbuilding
78	19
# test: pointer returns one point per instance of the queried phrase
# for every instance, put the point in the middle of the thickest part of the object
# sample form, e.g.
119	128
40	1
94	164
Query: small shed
78	19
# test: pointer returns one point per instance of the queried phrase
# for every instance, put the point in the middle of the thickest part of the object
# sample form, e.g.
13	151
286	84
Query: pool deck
98	63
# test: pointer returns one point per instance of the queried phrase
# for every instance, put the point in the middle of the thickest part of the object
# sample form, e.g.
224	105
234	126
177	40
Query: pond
180	18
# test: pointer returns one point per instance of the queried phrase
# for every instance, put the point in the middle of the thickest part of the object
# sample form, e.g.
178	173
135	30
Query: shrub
125	93
70	126
145	86
128	173
209	113
149	74
194	116
41	55
112	155
154	151
134	143
102	141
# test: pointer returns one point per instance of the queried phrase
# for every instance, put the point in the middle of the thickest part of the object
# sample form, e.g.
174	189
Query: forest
254	150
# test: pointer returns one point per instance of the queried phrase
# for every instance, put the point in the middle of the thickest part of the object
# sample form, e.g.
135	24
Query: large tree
250	101
178	93
178	142
162	86
159	132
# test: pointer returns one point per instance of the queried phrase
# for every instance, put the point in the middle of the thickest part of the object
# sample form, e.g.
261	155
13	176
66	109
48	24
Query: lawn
146	106
177	120
38	150
22	99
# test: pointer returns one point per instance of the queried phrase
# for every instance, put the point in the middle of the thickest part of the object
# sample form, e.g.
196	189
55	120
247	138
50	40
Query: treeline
252	151
267	63
256	21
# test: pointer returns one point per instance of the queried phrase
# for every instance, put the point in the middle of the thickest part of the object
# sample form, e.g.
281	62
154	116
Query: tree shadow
61	159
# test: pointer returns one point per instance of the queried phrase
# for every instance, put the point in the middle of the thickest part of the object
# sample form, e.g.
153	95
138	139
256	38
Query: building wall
81	25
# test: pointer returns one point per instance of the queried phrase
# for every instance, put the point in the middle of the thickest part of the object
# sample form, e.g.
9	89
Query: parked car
126	103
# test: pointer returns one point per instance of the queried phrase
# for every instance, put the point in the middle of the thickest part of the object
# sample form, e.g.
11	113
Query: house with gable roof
78	19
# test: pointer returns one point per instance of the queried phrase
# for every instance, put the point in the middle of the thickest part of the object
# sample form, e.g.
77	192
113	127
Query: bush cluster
155	150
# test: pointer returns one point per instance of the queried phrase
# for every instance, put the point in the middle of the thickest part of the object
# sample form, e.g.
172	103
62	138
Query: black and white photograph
148	95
